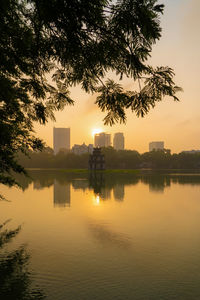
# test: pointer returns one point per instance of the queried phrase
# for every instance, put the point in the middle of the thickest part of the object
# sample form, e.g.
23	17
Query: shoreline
123	171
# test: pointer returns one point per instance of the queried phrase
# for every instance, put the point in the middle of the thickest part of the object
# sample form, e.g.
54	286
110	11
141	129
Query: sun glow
95	131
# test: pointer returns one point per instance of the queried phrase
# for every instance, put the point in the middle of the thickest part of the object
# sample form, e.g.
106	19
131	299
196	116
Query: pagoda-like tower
97	160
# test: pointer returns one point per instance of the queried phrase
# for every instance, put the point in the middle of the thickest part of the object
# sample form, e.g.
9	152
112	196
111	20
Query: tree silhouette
78	42
15	281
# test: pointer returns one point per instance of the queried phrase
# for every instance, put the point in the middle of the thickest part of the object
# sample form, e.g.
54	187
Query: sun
95	131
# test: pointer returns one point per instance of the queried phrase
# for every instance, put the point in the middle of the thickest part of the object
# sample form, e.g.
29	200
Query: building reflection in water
80	184
37	185
101	183
62	194
118	192
157	184
105	193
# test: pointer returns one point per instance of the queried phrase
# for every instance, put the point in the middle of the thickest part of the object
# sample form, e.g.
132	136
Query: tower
96	160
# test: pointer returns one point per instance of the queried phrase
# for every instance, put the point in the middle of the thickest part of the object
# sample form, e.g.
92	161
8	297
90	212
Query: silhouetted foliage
123	159
15	281
78	42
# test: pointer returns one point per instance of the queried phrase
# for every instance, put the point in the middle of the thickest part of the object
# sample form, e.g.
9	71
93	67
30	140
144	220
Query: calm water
115	237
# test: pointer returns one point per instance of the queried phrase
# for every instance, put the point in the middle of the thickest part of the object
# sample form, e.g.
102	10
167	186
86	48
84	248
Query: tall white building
102	140
156	146
118	141
61	139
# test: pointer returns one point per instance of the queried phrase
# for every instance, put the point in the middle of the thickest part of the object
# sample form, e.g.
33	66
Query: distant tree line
126	159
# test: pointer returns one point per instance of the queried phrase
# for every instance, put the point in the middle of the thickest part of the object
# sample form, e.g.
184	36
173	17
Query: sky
175	123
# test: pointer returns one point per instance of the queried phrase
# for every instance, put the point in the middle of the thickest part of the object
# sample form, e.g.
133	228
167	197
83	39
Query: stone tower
97	160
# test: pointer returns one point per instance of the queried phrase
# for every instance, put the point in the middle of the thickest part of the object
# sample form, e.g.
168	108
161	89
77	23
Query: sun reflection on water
96	200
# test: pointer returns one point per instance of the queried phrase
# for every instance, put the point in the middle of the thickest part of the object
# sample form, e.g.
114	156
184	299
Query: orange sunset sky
176	123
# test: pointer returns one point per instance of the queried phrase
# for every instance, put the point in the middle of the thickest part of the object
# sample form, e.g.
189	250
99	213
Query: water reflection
37	185
118	192
107	236
157	183
96	182
96	200
134	245
80	184
102	184
61	194
15	279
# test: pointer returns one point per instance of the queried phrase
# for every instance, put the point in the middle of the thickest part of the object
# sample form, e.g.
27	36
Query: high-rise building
107	140
156	146
118	141
102	140
191	151
61	139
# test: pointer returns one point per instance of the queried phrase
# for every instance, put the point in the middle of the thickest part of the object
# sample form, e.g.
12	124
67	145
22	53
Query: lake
101	237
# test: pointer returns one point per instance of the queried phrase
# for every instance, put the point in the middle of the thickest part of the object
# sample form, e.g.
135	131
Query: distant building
102	140
90	148
81	149
156	146
118	141
191	151
61	139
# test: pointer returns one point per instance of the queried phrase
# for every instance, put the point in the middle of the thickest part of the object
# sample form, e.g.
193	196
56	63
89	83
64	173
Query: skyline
178	48
66	144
